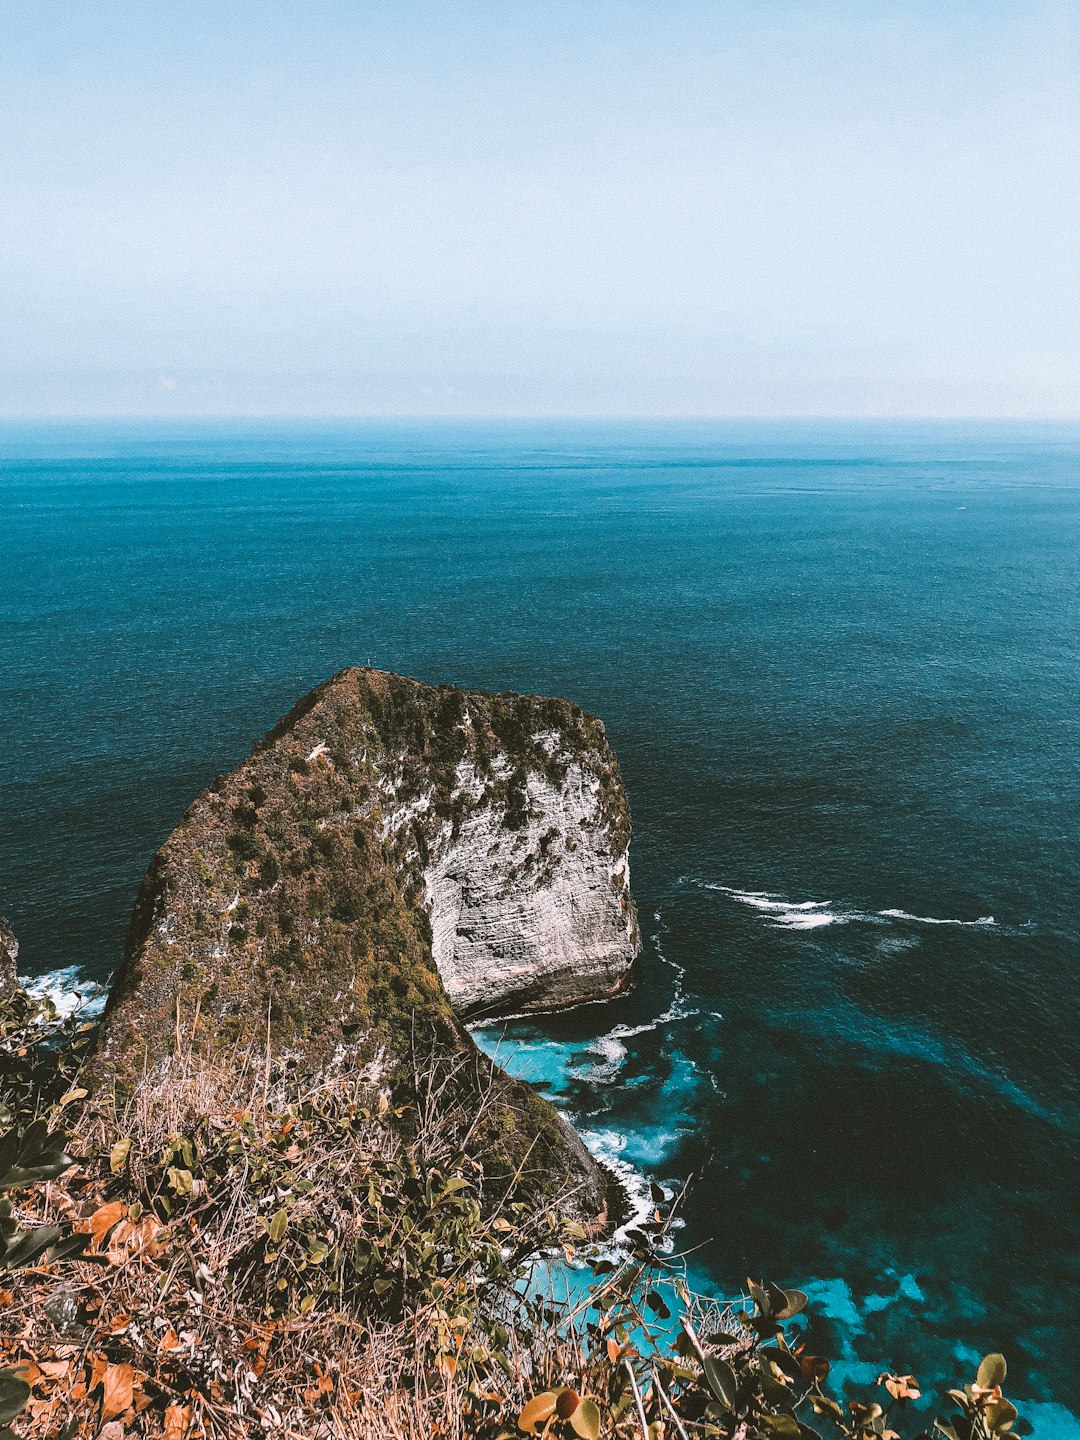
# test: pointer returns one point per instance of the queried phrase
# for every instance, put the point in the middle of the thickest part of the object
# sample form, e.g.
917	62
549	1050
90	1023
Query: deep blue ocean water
840	665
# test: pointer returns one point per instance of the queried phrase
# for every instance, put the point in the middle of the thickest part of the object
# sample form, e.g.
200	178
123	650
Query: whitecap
69	992
788	914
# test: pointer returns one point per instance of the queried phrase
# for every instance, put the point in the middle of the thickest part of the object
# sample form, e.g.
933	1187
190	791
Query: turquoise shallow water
840	667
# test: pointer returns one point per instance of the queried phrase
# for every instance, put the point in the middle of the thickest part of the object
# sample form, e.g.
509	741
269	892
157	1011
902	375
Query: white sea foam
69	991
610	1047
607	1147
789	914
814	914
932	920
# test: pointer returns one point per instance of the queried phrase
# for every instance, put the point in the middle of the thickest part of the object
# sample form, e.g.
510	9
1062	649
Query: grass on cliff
233	1253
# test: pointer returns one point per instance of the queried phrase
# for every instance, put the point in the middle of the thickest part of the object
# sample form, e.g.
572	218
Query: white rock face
534	914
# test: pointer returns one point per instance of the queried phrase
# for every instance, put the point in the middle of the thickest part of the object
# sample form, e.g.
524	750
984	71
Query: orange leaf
537	1412
116	1390
168	1341
178	1421
104	1218
614	1349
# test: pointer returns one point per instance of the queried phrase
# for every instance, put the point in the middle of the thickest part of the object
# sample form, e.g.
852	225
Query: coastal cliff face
393	856
9	955
527	883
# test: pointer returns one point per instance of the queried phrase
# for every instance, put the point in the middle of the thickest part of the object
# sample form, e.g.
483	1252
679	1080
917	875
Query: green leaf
785	1361
759	1297
118	1155
794	1301
25	1247
14	1393
180	1181
585	1421
1001	1416
32	1156
785	1425
721	1380
277	1227
992	1371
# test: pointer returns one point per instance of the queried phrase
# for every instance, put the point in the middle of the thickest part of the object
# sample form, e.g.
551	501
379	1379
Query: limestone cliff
391	854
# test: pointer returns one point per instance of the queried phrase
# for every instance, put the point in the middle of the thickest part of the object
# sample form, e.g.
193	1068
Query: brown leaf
114	1430
104	1218
128	1240
168	1341
900	1387
116	1390
178	1420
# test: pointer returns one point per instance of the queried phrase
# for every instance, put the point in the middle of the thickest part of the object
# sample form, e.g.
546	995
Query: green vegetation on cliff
284	912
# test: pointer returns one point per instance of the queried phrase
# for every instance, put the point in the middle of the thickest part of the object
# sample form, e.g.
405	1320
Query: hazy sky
764	207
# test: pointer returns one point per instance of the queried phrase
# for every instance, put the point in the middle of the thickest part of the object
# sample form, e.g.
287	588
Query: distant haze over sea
839	665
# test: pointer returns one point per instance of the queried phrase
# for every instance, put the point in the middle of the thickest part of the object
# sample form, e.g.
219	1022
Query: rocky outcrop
9	955
392	857
527	885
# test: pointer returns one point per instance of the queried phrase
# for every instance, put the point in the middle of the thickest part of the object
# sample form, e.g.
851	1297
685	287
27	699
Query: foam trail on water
610	1047
931	920
789	914
814	914
607	1146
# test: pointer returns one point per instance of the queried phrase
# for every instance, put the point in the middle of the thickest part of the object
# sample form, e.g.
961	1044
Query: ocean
840	666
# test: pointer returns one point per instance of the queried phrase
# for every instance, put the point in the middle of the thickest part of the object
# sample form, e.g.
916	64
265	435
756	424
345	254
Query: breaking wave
69	991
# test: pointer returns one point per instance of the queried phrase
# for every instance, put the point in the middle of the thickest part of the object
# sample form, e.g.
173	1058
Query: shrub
237	1251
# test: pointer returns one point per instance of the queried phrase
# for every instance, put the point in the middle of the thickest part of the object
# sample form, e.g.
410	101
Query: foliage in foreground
233	1255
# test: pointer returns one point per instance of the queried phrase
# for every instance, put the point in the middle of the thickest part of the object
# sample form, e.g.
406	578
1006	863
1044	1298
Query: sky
540	207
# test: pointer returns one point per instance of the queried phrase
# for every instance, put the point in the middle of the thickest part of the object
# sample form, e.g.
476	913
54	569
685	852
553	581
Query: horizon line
127	417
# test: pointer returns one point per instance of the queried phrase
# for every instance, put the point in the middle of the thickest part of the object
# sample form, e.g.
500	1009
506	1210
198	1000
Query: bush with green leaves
40	1053
27	1158
734	1372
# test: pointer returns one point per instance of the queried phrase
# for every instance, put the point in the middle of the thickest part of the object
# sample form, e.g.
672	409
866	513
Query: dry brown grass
170	1324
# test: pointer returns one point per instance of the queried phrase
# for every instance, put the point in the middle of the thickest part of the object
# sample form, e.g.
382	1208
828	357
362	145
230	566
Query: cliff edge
392	858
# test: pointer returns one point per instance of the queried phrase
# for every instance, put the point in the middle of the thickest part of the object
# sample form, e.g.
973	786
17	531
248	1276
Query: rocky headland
391	861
